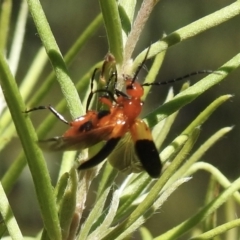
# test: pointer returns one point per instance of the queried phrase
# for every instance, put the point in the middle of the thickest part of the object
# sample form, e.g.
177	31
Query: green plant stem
206	113
34	156
113	27
126	10
68	58
5	15
155	206
55	56
212	191
108	176
221	179
192	92
218	230
152	74
18	38
191	30
67	206
199	153
230	213
94	214
8	217
7	128
185	226
138	25
164	126
127	200
105	225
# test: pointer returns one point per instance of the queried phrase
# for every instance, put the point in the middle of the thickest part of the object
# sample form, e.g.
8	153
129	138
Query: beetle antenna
90	96
140	66
179	78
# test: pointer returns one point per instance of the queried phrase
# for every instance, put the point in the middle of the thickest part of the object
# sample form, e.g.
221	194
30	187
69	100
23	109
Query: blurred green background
208	50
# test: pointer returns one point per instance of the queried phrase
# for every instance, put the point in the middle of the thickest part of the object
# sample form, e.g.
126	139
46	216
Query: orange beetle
111	126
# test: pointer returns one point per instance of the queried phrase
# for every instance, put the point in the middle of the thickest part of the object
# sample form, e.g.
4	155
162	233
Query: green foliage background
208	50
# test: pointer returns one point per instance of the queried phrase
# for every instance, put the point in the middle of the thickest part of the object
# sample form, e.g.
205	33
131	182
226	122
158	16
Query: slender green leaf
113	28
34	155
8	217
